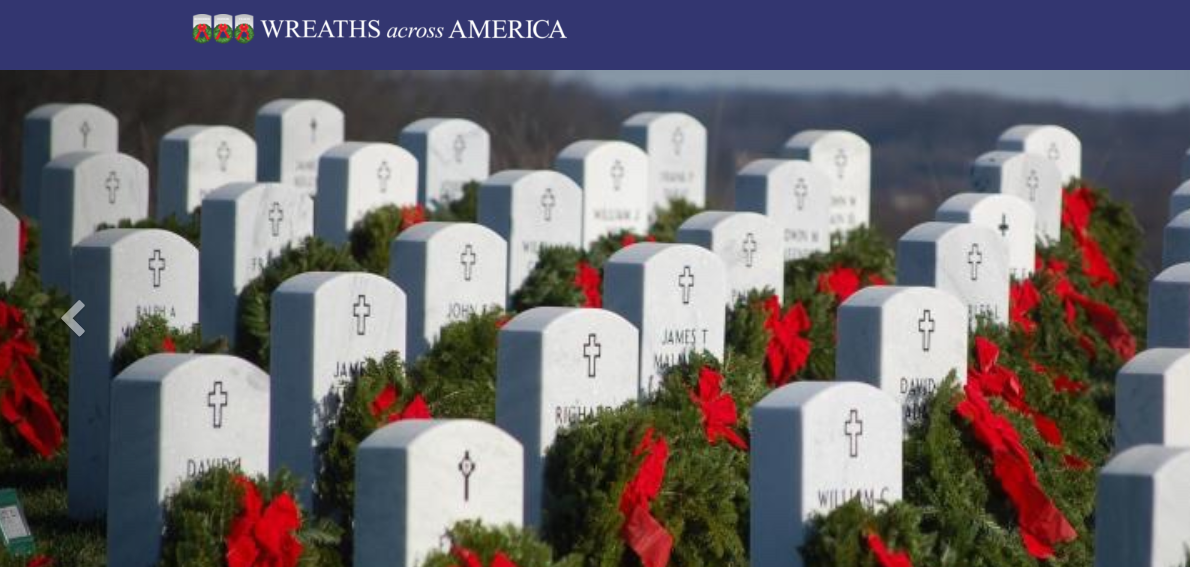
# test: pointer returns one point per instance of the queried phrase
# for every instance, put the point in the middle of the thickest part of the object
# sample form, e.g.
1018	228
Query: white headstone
451	151
615	180
193	161
749	244
1142	508
1152	399
122	275
53	130
796	195
531	209
1179	200
1186	166
967	260
245	225
1029	176
79	192
815	446
10	247
174	416
1169	308
554	367
1055	143
1175	242
903	340
675	295
1011	217
450	271
325	325
415	479
676	144
846	159
291	134
356	177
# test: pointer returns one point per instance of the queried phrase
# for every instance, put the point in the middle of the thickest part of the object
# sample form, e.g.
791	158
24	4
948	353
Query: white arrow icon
68	318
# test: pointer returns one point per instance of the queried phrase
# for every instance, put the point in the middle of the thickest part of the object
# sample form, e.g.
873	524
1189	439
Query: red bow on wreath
387	398
1102	317
842	282
411	216
787	349
1077	207
263	537
588	280
471	559
629	239
222	31
641	531
885	557
24	404
718	409
202	31
243	32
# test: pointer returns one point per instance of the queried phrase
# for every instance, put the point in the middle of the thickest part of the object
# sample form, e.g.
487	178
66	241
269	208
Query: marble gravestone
815	446
82	191
196	160
325	325
244	226
556	366
1029	176
415	479
967	260
1169	308
1055	143
676	144
614	177
1142	508
450	271
903	340
749	244
1152	393
1179	200
53	130
1010	216
531	209
451	152
675	295
10	247
291	134
846	159
1175	241
356	177
796	195
174	416
123	274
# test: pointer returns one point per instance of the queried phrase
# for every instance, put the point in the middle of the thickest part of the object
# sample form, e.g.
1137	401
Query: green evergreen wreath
190	229
670	218
148	336
457	376
520	545
199	37
463	209
199	515
373	234
551	281
312	255
42	315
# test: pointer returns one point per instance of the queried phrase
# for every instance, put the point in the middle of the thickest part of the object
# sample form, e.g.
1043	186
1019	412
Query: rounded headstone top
643	252
73	160
933	231
1179	200
427	230
234	191
159	367
51	110
1182	220
1177	273
283	105
708	220
1005	158
880	295
971	201
539	319
346	150
807	138
800	394
409	433
185	133
1148	461
1022	131
769	166
1156	360
424	125
110	237
651	118
584	149
510	177
316	282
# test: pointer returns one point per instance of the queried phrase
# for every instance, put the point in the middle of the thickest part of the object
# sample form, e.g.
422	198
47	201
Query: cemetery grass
42	485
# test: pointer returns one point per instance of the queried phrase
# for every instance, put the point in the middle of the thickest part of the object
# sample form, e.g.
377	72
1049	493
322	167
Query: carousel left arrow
68	318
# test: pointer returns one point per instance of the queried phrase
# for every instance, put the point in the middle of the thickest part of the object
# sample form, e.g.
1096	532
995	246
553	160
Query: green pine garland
148	336
199	516
457	376
839	539
520	545
373	234
463	209
312	255
551	282
190	229
670	218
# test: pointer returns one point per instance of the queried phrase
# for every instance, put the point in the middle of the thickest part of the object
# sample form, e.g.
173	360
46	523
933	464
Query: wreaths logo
223	28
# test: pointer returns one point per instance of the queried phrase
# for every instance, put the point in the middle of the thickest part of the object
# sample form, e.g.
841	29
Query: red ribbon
1022	299
629	239
202	30
263	537
787	349
167	345
24	404
1042	524
718	409
222	31
471	559
243	32
1100	315
588	280
842	282
411	216
40	561
1077	207
885	557
641	531
387	398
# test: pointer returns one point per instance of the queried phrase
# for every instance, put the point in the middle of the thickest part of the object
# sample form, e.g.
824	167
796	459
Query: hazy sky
1161	89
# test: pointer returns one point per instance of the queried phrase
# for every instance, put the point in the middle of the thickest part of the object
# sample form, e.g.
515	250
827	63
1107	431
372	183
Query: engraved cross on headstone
926	326
1053	153
974	259
112	184
361	310
547	204
223	152
276	215
841	162
217	393
592	351
467	259
617	174
313	129
686	282
800	190
460	146
85	130
749	248
854	429
1032	182
156	266
1003	224
678	138
466	467
383	174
